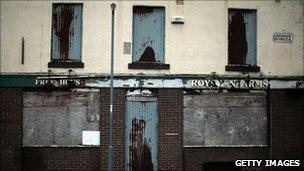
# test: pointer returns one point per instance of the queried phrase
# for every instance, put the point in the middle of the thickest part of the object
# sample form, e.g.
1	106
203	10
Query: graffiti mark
148	55
237	40
140	150
143	10
62	27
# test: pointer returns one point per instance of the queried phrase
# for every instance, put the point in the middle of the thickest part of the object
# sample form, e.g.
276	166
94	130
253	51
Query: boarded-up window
221	119
59	117
242	37
67	32
148	34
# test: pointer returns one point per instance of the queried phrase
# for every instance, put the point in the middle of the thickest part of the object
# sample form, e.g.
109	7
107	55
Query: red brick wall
288	124
56	158
287	133
14	157
11	102
287	136
119	129
170	152
170	120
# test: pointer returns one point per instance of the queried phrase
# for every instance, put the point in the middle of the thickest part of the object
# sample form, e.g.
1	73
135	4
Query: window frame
66	63
242	67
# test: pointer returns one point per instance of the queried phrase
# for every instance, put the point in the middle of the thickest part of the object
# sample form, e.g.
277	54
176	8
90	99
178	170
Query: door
141	133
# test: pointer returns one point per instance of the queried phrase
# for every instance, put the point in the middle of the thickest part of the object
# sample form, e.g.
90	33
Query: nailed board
225	119
141	133
58	118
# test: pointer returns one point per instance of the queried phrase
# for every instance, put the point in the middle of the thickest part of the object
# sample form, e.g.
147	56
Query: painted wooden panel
67	32
223	119
148	34
242	36
141	134
250	20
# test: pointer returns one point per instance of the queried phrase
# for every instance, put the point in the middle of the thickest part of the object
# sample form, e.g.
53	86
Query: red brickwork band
287	136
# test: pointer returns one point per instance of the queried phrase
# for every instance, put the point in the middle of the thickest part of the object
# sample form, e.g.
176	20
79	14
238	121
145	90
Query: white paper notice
90	137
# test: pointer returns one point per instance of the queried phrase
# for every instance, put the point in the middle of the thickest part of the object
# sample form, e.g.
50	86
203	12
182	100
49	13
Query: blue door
141	133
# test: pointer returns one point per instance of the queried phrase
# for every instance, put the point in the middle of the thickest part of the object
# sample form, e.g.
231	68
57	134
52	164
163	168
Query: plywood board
59	117
225	119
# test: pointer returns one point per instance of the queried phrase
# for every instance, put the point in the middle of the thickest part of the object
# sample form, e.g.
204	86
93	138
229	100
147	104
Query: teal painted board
18	81
250	21
148	34
141	135
67	32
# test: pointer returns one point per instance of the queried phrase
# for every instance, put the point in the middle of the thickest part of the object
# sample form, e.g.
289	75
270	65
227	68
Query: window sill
65	64
243	68
144	65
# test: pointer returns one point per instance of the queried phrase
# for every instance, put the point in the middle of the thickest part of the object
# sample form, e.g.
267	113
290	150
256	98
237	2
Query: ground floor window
60	118
213	119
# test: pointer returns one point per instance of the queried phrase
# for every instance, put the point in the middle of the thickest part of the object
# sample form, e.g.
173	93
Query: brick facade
119	128
11	128
287	136
56	158
288	125
170	122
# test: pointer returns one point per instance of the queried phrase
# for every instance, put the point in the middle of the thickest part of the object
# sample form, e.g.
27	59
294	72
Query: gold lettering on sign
238	84
64	82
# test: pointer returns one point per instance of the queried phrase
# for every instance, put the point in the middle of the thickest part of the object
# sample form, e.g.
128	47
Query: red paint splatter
140	150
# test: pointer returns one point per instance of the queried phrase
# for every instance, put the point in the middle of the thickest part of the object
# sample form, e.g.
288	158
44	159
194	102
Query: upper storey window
242	40
66	36
148	38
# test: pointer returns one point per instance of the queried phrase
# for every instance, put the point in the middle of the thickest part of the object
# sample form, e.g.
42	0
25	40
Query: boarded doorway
141	133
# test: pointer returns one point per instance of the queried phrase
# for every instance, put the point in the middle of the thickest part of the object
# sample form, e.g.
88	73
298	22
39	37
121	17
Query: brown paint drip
140	152
62	24
237	40
142	10
148	55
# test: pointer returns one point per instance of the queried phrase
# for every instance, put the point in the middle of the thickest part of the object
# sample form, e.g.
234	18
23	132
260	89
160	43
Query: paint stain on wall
143	10
63	30
140	150
148	55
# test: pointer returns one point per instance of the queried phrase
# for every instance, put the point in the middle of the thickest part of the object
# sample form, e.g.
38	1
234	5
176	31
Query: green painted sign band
166	81
17	81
